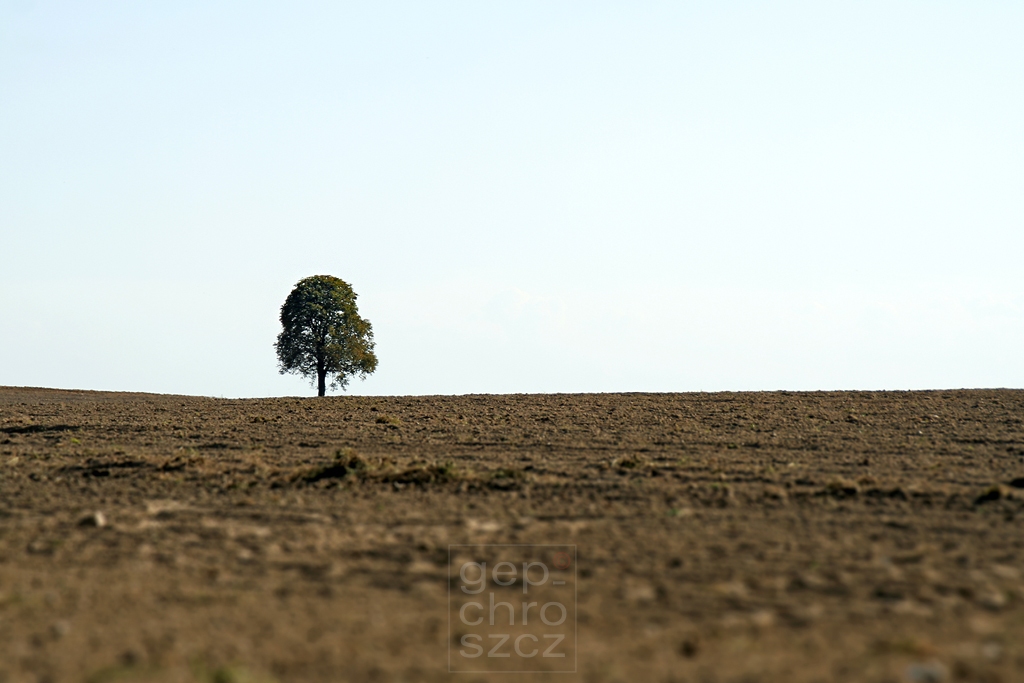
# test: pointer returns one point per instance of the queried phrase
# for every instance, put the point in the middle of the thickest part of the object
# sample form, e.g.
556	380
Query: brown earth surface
841	536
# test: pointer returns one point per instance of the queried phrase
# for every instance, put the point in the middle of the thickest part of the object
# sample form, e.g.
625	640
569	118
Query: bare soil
849	536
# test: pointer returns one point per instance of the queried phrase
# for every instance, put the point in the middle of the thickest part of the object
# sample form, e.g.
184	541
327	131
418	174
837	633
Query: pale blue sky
526	196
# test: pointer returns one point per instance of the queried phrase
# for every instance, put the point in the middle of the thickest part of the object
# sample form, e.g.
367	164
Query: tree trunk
321	381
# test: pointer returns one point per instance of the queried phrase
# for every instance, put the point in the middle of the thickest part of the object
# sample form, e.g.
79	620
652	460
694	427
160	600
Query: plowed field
860	536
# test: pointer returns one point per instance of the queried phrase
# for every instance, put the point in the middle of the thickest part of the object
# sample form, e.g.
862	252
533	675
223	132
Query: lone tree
323	333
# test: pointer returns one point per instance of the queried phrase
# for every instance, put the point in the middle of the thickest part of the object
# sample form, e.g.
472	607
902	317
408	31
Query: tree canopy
323	334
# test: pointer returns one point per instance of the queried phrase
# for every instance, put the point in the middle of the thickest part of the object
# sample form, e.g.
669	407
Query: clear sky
527	196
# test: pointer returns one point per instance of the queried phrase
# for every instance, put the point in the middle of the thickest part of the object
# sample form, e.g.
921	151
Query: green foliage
323	334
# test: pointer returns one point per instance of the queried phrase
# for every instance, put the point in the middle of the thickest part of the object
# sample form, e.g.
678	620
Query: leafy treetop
323	333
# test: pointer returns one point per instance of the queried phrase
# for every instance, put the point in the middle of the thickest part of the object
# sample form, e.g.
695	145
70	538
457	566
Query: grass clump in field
388	420
632	461
346	462
426	474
